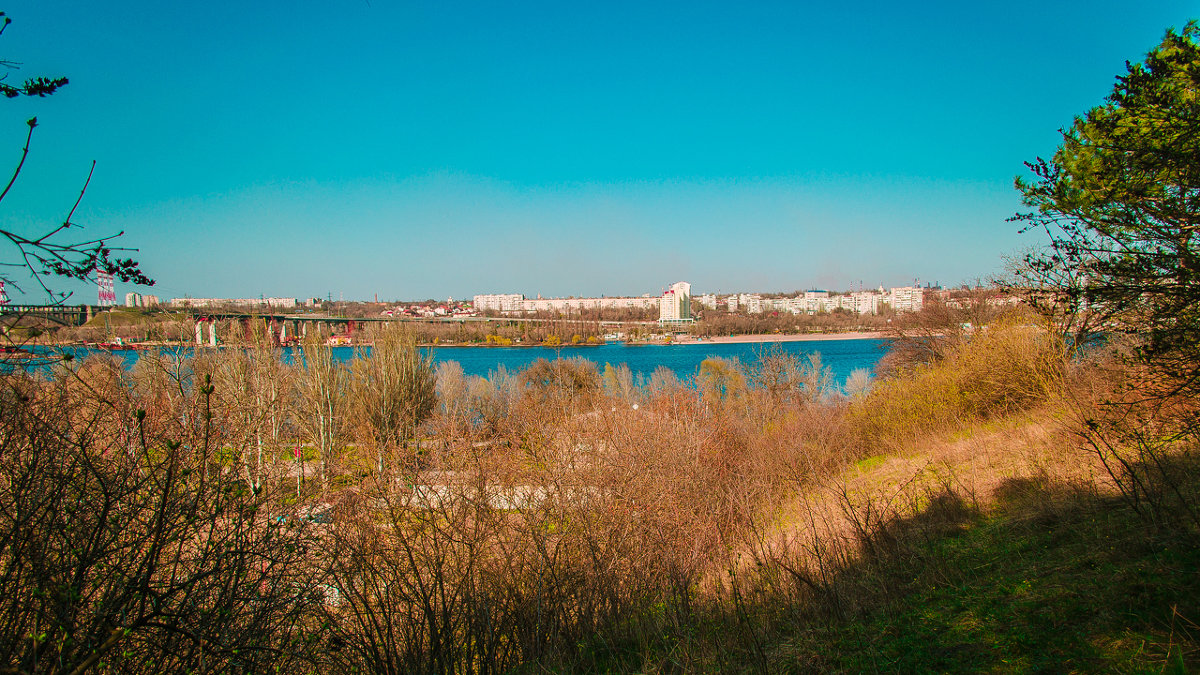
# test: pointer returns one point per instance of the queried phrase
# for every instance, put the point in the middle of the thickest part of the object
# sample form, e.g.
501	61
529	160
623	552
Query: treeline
507	332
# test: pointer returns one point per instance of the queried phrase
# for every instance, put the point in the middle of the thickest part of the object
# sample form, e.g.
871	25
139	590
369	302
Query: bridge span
66	315
281	326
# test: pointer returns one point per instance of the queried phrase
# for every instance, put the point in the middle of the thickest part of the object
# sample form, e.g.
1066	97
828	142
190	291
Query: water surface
841	356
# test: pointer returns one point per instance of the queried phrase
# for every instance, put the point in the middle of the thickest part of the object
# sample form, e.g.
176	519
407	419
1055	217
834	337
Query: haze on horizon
416	150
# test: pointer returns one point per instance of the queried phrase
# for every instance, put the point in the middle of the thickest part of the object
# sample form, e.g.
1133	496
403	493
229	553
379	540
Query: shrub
1006	366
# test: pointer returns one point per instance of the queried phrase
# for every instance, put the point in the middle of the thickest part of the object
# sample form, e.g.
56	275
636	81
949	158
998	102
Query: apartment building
675	306
266	303
498	302
906	298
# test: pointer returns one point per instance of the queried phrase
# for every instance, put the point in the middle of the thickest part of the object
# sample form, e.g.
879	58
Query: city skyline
424	151
517	303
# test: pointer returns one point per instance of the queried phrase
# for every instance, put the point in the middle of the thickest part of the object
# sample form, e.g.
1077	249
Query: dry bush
939	328
131	551
1145	434
480	566
604	523
1007	366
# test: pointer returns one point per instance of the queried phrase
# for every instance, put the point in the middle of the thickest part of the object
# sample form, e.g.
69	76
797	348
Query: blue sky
416	150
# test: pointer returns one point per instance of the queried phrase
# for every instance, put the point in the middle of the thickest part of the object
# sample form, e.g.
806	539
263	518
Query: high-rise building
906	298
139	300
675	306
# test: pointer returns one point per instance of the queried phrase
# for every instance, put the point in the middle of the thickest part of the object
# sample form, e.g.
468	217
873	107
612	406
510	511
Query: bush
1006	366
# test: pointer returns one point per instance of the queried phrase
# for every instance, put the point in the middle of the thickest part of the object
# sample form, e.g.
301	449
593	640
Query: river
841	356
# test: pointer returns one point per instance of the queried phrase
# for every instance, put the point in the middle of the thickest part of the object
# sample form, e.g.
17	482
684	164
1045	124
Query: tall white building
907	298
139	300
752	302
675	306
862	302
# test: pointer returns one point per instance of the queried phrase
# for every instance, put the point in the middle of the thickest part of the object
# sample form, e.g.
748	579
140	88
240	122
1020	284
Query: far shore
782	337
681	341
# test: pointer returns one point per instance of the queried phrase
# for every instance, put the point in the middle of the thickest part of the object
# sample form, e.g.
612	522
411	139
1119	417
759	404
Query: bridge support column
212	334
199	333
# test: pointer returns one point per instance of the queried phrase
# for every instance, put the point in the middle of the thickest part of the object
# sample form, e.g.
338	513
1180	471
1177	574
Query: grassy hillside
1050	578
1002	552
983	534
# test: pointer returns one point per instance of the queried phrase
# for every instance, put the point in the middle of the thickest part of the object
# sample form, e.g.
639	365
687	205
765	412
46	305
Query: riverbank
781	337
679	340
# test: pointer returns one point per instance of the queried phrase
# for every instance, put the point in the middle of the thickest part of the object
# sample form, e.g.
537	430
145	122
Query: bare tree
135	558
394	391
323	389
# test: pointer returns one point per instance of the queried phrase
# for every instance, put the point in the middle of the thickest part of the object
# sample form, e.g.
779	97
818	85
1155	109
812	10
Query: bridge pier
212	334
199	333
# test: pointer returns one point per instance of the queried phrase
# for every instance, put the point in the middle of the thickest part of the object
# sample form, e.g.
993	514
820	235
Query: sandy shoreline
776	337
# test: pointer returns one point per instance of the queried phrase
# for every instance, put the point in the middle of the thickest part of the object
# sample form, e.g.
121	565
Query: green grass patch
1046	580
869	463
1080	586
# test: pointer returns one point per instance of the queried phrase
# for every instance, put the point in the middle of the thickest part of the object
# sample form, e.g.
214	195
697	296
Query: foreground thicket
131	549
234	512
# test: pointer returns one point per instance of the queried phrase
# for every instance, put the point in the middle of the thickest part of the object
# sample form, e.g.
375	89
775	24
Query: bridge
66	315
280	326
284	326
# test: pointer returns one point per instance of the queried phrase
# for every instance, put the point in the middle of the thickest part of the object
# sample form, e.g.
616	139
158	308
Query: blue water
841	356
